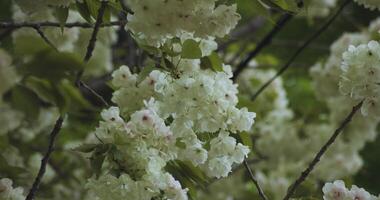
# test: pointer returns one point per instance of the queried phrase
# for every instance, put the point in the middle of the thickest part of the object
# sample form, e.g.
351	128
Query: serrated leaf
86	148
260	9
53	66
44	89
246	140
26	101
84	11
74	97
96	164
26	45
191	50
62	13
212	62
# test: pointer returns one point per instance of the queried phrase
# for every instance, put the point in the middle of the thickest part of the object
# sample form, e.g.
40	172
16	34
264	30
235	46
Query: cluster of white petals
361	75
185	115
338	191
320	8
156	21
8	192
370	4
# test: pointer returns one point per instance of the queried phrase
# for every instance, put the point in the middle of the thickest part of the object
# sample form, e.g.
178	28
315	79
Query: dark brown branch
90	49
92	92
45	159
43	36
99	21
301	49
255	182
263	43
322	151
16	25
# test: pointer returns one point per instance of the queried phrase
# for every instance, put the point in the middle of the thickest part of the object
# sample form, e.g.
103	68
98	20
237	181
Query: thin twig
301	49
322	151
253	178
99	21
93	92
90	49
263	43
16	25
45	159
44	37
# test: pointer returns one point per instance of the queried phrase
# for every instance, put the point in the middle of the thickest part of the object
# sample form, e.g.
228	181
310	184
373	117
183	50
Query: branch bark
321	152
263	43
17	25
45	159
255	182
301	49
90	49
43	36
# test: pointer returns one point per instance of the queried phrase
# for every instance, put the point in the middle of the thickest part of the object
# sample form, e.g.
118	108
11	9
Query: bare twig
93	92
45	159
99	21
321	152
44	37
263	43
17	25
301	49
255	182
90	49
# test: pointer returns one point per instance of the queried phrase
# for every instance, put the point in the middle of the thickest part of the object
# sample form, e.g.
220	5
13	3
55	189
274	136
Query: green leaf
84	11
62	13
191	50
168	64
52	65
246	139
26	45
98	157
193	173
86	148
281	5
259	8
212	62
44	89
26	101
97	163
75	99
8	170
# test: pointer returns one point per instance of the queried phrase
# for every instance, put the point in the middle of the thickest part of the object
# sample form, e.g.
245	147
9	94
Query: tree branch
43	36
300	50
99	21
17	25
321	152
255	182
45	159
263	43
92	92
90	49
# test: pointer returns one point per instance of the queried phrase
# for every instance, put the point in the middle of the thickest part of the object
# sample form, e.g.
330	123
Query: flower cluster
157	21
7	192
370	4
320	8
338	191
361	75
276	125
163	117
